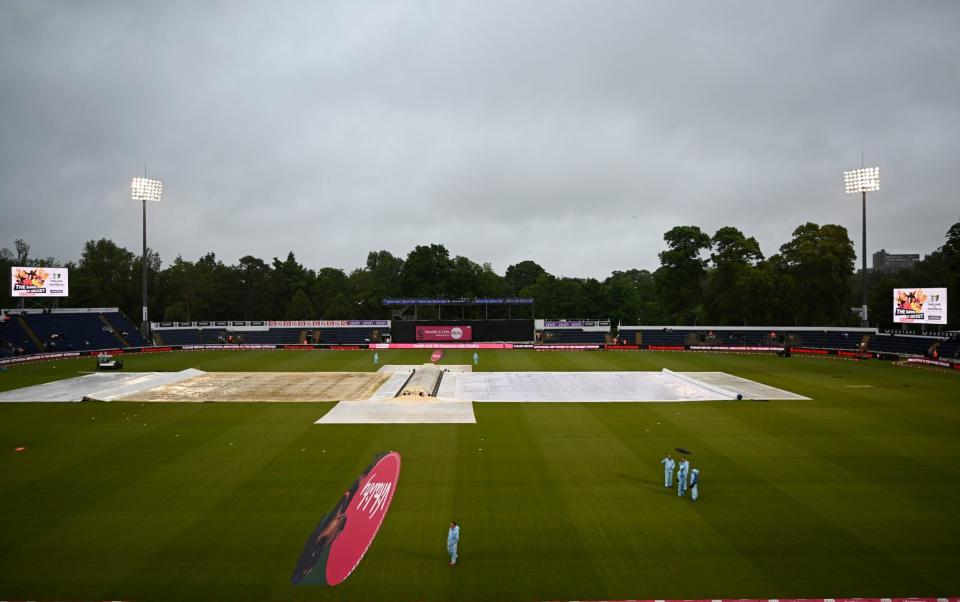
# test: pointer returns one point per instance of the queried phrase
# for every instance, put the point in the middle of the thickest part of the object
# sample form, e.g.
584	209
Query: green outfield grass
853	493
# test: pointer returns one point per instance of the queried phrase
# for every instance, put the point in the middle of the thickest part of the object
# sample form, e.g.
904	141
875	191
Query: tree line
719	279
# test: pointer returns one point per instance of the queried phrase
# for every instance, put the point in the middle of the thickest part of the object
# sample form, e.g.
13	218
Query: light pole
863	180
145	189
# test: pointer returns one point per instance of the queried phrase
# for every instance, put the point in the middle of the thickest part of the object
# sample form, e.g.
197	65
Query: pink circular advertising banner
341	539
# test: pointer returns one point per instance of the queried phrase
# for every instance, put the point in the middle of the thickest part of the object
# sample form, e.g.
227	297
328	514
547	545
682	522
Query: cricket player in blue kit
682	477
668	465
453	538
694	482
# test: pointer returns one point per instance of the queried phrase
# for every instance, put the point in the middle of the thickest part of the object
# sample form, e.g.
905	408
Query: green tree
299	307
730	293
254	292
632	298
340	308
287	277
426	272
521	275
817	264
464	277
329	284
176	312
679	279
105	277
489	283
379	279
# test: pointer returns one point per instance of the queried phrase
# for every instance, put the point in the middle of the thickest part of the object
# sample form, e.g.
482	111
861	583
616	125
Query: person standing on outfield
694	482
476	358
376	358
453	538
682	477
668	465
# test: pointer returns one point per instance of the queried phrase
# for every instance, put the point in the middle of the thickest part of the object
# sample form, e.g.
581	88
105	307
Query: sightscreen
920	305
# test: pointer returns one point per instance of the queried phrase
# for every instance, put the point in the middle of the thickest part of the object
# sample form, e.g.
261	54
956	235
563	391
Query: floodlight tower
145	189
863	180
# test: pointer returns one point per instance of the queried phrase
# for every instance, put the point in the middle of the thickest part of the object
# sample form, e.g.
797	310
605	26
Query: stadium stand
572	331
187	336
17	339
829	338
912	345
192	335
73	331
346	336
126	328
818	338
572	336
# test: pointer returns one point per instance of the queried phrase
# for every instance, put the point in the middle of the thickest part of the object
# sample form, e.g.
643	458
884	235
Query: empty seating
72	331
16	336
273	336
126	328
571	335
906	345
812	337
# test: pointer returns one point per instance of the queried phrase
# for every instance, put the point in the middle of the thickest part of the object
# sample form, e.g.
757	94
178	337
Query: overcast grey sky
570	133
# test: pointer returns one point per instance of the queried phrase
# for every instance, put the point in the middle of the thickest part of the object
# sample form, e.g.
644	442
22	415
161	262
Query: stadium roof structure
402	307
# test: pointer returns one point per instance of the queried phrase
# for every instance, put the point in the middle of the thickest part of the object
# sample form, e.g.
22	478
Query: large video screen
920	305
39	282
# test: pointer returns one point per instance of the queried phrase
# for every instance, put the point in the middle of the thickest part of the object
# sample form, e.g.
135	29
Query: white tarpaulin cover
575	386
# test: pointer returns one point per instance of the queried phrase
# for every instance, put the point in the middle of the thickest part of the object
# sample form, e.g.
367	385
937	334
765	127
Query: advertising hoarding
920	305
444	333
342	538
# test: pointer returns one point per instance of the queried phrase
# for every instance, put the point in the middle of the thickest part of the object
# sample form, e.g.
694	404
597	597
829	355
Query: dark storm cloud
506	131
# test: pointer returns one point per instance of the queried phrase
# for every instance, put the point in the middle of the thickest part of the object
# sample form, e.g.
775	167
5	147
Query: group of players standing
686	477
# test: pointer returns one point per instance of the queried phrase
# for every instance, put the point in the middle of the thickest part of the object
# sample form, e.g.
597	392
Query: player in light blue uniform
376	358
668	466
694	483
476	358
453	538
682	477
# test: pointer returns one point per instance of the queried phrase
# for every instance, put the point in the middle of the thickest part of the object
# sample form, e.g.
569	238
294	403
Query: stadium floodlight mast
863	180
145	189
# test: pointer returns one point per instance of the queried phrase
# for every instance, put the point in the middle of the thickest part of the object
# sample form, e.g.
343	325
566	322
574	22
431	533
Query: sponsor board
733	348
339	542
444	333
920	305
929	362
39	282
857	354
211	346
666	348
327	323
443	346
565	347
804	350
577	324
37	357
460	301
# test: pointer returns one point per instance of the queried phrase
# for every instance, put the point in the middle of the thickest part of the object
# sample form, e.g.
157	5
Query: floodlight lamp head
146	189
866	179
